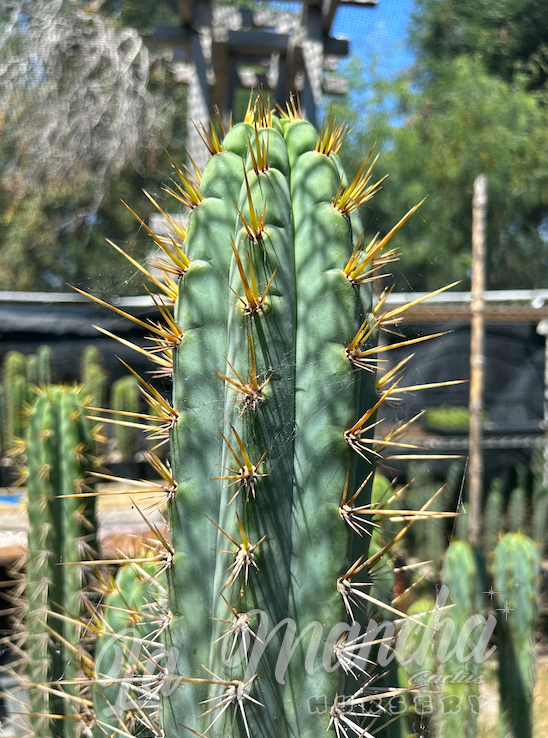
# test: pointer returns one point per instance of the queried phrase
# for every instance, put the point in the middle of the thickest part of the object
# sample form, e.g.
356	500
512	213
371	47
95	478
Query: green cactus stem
429	539
273	343
517	511
464	574
45	366
15	395
125	397
493	518
516	569
132	614
93	377
539	522
31	369
3	445
61	532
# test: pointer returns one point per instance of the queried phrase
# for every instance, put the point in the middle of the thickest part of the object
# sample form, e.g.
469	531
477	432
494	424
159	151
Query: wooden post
475	467
542	330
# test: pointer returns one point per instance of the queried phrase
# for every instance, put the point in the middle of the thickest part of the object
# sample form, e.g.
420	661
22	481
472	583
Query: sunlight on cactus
268	327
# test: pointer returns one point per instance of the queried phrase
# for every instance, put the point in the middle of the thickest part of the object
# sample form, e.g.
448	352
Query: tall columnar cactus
539	519
44	357
31	369
416	660
516	515
273	342
38	370
132	613
463	573
428	535
516	569
15	395
124	396
61	532
493	520
93	377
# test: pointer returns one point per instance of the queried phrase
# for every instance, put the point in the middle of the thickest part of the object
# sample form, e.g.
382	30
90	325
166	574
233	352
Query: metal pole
475	467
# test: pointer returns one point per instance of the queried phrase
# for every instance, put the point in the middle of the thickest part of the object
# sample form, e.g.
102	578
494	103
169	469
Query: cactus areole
272	347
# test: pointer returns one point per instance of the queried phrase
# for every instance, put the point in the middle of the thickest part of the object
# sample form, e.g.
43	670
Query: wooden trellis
220	48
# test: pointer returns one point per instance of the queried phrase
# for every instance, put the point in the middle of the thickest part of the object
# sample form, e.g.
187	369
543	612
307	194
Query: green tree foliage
506	34
87	106
440	124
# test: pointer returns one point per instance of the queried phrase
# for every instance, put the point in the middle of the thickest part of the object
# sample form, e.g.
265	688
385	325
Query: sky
379	31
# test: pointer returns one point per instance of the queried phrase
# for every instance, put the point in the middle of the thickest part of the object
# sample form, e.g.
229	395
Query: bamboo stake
479	218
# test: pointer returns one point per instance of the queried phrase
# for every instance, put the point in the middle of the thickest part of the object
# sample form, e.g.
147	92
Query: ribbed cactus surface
131	610
15	396
124	396
272	347
274	408
93	377
493	519
464	574
261	469
516	569
61	532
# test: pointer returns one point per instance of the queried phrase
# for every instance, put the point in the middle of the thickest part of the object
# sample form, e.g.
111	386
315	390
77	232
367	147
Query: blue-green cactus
131	616
15	396
516	569
493	520
61	534
273	345
464	574
124	396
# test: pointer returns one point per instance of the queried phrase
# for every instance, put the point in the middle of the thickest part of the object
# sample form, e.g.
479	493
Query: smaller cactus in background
493	522
464	575
539	519
61	529
2	416
31	369
428	535
516	515
15	395
125	648
516	569
93	377
416	656
38	370
45	366
461	525
539	512
124	397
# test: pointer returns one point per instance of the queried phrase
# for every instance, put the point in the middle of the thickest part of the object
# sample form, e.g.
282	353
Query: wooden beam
261	43
329	8
336	46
